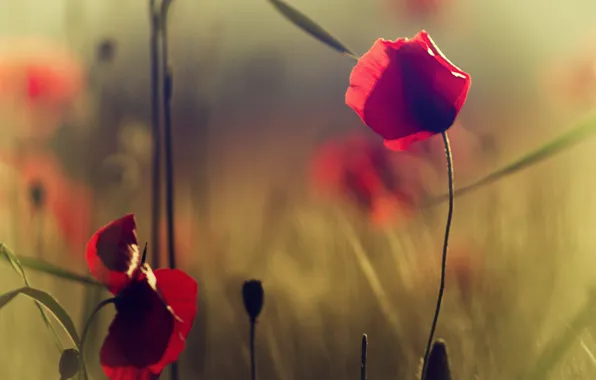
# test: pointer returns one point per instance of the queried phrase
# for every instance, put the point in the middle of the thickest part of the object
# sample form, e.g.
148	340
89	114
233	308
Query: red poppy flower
47	190
155	310
364	171
407	90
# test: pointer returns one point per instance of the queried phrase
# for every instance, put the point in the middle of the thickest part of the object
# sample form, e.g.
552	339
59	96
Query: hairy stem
444	257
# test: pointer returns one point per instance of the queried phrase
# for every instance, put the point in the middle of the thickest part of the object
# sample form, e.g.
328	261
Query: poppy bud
69	363
252	294
37	194
438	362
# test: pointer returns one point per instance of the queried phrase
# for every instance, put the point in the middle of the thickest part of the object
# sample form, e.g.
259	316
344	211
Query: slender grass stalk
86	330
444	257
167	88
363	354
156	132
167	78
581	132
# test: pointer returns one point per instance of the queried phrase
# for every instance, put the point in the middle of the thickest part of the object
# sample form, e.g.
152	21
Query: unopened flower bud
438	362
252	294
69	363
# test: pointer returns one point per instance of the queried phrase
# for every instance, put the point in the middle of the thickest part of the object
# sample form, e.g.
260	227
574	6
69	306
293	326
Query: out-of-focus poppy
155	310
48	191
407	90
363	170
42	79
572	82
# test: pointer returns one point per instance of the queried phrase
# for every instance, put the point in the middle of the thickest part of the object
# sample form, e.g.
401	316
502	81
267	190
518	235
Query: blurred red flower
364	171
155	310
50	192
572	81
407	90
43	77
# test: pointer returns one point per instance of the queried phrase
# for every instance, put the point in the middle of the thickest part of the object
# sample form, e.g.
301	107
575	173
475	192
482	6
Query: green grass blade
309	26
16	265
45	267
581	132
51	304
556	350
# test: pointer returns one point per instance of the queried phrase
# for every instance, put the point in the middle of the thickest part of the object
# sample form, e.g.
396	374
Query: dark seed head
69	363
37	194
438	362
252	294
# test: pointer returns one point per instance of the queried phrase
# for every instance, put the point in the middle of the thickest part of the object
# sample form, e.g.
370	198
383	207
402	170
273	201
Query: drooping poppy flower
362	170
45	190
155	310
42	79
407	90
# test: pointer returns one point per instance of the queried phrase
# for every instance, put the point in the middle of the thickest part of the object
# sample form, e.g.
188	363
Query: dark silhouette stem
156	132
169	167
253	365
167	106
444	257
363	357
88	324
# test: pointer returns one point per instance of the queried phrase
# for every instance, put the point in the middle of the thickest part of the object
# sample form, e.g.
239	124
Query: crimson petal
180	292
113	253
139	334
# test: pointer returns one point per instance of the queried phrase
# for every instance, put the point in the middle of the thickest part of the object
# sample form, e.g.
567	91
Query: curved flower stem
156	132
91	318
253	365
444	257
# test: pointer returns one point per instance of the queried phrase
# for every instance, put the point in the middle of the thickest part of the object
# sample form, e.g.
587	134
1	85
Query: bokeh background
254	98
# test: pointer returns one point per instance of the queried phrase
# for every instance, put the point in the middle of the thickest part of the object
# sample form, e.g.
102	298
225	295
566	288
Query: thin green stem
87	327
444	257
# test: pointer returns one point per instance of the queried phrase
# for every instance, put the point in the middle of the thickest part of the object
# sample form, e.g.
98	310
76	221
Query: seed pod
69	363
252	294
438	362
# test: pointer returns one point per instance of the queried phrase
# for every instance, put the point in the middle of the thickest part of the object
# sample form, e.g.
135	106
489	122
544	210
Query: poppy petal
407	90
140	333
113	253
179	291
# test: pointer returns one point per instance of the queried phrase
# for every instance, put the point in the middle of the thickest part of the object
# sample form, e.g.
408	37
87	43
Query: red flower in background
42	76
155	310
364	171
49	191
407	90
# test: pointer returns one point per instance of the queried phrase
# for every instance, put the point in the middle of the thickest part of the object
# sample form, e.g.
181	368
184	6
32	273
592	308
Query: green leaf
580	133
16	265
45	267
51	304
309	26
